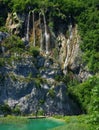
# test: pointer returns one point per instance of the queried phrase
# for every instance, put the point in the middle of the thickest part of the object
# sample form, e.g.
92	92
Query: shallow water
36	124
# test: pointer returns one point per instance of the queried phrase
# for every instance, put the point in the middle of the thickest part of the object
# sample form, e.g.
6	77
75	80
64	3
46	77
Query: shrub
2	62
34	51
40	112
84	94
5	109
41	101
58	77
55	53
51	93
16	111
38	82
13	43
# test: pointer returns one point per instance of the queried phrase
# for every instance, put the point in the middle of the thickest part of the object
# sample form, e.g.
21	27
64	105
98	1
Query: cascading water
70	28
70	31
68	47
33	29
67	56
28	24
41	35
47	36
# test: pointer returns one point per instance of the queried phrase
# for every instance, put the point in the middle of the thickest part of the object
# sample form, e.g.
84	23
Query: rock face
35	90
15	23
30	83
3	35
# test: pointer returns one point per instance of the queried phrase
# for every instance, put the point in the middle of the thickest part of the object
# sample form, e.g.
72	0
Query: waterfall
41	35
68	53
33	29
70	28
70	31
28	24
47	36
68	46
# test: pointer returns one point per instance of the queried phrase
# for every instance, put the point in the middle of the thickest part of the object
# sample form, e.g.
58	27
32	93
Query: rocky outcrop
3	35
15	23
32	88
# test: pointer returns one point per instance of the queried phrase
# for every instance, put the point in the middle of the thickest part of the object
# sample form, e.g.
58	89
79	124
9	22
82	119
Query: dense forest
84	13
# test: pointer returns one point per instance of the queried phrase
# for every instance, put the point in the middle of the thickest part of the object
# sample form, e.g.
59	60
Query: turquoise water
36	124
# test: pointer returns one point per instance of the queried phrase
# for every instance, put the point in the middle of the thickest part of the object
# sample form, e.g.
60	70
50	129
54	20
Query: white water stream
33	29
47	36
27	31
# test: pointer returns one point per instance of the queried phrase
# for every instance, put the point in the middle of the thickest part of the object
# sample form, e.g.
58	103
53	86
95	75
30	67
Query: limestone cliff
30	83
32	87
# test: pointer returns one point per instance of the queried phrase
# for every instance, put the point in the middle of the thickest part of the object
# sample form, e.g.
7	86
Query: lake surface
36	124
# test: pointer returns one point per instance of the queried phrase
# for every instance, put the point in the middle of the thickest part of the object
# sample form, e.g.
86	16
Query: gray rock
26	70
48	63
31	98
40	61
3	35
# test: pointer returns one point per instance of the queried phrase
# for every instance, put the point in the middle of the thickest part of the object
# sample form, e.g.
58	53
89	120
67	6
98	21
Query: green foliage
16	111
41	101
94	105
5	109
51	93
88	22
75	123
2	62
13	44
86	94
55	53
30	75
34	51
13	77
40	112
13	119
39	81
5	6
3	29
58	78
69	79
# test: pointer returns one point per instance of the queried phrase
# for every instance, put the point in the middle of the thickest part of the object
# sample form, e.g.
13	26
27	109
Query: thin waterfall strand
28	24
70	31
33	29
68	46
67	56
47	36
41	35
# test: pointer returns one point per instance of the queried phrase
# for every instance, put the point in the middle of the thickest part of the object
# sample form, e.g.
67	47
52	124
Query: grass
76	123
74	126
13	119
